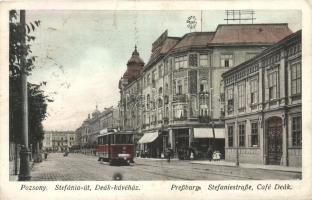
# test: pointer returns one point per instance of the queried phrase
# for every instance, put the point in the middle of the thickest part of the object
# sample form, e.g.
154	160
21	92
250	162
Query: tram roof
116	133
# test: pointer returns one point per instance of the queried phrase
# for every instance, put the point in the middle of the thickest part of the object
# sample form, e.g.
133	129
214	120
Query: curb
240	166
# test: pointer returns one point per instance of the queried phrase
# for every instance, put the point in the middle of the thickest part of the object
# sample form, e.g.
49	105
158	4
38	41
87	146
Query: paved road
79	167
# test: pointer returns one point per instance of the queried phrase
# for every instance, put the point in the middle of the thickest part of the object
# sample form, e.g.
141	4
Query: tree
36	98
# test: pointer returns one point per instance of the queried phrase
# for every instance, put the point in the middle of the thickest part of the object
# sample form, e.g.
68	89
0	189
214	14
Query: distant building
98	122
174	102
263	109
58	141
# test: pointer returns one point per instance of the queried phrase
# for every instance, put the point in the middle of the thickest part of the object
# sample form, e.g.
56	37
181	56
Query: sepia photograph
154	95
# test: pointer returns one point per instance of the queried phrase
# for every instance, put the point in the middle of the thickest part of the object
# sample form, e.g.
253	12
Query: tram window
105	139
128	139
109	139
118	139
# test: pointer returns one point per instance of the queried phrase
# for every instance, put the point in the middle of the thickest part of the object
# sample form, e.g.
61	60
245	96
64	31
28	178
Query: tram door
274	141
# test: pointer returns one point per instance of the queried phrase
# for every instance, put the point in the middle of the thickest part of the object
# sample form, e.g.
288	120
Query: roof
195	39
250	33
264	53
162	49
135	58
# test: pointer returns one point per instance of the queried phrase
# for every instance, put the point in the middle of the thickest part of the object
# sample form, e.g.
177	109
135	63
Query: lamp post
24	174
211	120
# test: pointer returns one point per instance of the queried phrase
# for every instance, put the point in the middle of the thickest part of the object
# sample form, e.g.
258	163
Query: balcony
203	119
179	98
166	120
180	118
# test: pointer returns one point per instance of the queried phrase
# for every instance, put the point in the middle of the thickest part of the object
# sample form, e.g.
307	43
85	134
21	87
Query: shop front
206	142
150	145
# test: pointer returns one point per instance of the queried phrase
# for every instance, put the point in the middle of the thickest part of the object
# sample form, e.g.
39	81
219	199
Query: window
241	96
180	62
254	134
250	55
254	91
230	136
226	60
148	99
179	112
272	85
203	86
166	66
296	79
160	91
296	131
159	71
179	87
241	129
148	79
203	60
230	100
193	60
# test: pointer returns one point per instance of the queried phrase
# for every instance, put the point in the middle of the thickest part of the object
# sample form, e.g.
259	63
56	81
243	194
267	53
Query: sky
83	54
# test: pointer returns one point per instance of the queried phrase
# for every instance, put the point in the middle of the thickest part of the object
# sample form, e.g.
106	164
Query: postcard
155	100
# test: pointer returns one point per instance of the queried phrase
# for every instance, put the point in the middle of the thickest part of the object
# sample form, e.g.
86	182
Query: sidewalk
164	159
247	165
14	177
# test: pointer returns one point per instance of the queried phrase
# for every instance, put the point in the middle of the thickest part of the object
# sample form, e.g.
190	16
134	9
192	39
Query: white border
157	189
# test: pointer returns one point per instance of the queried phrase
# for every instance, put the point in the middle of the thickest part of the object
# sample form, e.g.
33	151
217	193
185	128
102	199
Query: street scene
79	167
116	95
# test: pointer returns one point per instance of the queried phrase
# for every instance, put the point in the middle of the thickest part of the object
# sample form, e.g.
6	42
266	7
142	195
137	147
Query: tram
115	148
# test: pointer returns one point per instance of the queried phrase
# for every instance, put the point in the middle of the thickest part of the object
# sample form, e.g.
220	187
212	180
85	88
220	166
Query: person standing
168	154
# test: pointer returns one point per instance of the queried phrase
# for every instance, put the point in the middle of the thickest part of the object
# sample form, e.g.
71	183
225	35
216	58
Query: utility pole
24	174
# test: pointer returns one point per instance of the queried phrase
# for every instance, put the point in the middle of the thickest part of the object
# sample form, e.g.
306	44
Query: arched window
160	90
148	100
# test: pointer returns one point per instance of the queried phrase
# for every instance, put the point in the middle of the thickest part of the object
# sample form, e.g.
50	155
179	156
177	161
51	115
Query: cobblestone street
79	167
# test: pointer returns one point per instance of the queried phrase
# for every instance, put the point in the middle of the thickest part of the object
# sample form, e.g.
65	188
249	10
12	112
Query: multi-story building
263	113
180	86
96	123
130	105
58	141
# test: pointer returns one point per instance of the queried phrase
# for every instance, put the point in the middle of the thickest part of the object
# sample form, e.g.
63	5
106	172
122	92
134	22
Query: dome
135	58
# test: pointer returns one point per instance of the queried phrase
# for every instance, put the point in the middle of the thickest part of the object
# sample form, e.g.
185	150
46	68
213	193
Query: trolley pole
24	174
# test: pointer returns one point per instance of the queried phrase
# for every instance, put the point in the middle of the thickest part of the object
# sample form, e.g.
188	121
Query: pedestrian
168	154
209	154
45	155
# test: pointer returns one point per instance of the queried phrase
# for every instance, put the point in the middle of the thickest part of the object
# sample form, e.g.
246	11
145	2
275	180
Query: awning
148	137
207	133
103	131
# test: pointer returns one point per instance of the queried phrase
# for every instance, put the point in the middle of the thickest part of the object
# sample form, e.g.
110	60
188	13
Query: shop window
296	131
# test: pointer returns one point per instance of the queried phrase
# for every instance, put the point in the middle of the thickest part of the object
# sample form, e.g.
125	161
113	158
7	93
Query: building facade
96	123
179	88
58	141
263	113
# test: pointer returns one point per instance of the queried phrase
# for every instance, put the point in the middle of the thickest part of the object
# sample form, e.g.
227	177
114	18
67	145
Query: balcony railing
179	98
180	118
